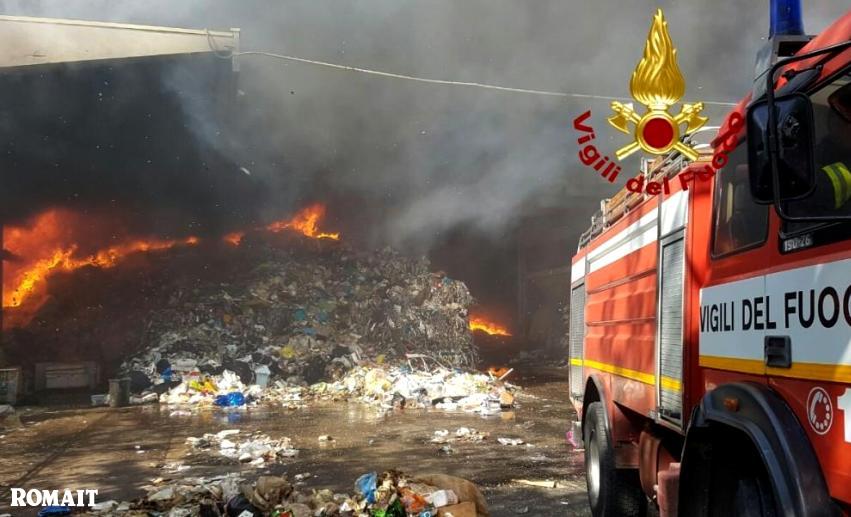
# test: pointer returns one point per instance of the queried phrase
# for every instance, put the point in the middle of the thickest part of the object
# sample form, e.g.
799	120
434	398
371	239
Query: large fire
487	326
307	222
46	247
50	244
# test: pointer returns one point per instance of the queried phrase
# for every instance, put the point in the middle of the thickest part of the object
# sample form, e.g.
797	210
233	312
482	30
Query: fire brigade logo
819	410
658	84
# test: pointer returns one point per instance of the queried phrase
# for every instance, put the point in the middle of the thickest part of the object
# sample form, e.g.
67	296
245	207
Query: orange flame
47	247
234	238
49	244
305	221
489	327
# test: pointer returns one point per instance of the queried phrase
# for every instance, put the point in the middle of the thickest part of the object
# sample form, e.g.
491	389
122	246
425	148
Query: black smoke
418	160
398	162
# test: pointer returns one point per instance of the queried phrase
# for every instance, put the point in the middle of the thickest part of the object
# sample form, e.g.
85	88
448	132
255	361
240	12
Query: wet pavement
117	451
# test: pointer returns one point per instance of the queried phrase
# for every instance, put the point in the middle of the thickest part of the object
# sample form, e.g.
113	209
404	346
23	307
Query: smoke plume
402	162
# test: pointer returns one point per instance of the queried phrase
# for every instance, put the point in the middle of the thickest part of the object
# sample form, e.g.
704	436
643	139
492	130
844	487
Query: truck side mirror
793	149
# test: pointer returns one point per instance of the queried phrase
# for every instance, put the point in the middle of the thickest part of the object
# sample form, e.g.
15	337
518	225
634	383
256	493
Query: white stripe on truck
811	305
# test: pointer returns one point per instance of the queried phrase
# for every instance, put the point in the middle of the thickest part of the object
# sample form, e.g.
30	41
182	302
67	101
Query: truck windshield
832	117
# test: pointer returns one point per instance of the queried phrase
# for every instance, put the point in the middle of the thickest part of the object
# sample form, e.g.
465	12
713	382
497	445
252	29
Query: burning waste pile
283	314
302	321
390	494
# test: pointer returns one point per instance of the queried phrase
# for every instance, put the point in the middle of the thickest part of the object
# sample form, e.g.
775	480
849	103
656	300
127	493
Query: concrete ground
119	450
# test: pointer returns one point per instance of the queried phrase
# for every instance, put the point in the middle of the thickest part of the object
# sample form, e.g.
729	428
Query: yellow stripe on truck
646	378
733	364
671	384
811	371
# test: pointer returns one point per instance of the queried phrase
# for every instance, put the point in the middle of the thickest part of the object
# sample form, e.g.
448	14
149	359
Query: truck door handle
778	351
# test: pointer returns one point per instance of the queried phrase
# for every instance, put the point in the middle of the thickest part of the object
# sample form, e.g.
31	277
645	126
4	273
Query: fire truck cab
710	336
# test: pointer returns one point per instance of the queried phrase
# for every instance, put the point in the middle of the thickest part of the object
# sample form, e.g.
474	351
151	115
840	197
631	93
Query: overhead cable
428	80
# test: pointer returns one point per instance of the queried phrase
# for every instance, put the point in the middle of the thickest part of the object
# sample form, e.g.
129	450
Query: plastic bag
231	399
204	386
366	485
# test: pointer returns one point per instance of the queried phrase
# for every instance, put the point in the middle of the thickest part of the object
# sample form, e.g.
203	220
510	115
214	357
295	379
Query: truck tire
611	492
742	487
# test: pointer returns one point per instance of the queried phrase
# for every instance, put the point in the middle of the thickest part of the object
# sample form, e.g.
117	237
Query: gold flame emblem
658	84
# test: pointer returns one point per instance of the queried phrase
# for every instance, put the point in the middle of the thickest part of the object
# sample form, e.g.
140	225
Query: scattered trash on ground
256	449
511	441
174	467
465	434
571	440
544	483
390	494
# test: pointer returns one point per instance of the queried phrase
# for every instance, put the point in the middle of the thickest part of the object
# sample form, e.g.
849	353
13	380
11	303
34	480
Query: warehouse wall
116	134
112	139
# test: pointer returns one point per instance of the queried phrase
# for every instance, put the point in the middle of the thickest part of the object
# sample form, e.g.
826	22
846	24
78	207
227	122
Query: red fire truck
710	339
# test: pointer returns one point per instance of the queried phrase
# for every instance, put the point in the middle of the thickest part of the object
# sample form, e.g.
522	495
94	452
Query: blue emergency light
786	18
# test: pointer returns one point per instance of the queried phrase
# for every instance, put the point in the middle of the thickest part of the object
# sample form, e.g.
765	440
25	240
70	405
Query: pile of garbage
256	450
390	494
418	384
410	387
301	315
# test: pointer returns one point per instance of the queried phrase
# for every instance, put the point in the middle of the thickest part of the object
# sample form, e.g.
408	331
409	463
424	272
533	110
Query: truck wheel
742	487
611	492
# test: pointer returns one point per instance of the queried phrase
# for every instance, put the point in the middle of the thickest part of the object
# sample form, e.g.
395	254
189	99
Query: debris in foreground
390	494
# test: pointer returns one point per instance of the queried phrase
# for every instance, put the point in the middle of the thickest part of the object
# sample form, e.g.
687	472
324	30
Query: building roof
26	41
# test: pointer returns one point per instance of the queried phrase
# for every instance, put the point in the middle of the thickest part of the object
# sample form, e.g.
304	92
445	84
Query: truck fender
595	389
777	435
620	427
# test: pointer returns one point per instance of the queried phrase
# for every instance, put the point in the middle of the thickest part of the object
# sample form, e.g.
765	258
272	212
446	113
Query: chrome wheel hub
593	468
